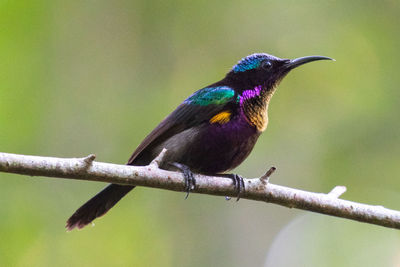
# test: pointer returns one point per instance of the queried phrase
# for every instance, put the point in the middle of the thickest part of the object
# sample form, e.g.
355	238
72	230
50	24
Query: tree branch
151	176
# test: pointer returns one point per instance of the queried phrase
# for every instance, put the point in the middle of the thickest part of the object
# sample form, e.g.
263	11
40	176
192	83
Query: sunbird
211	132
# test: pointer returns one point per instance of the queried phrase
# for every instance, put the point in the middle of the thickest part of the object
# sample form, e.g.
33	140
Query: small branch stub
157	161
265	178
337	191
89	159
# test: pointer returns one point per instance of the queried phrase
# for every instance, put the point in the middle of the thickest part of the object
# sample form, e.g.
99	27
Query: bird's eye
266	65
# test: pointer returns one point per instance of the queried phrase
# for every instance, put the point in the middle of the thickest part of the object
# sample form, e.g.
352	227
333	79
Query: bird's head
264	70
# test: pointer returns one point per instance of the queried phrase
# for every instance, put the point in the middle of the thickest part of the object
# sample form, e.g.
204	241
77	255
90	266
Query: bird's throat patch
254	104
222	117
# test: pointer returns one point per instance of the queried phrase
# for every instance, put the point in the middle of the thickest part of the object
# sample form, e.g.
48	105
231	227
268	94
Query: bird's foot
190	181
238	183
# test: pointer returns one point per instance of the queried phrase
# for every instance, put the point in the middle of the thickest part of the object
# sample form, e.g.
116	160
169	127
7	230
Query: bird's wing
196	109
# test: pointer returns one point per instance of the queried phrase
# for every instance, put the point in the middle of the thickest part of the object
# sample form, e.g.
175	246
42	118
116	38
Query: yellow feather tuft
221	118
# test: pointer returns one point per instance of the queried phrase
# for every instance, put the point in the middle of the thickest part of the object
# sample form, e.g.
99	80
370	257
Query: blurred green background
81	77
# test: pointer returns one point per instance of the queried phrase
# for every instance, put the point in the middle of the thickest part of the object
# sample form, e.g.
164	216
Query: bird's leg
238	183
190	182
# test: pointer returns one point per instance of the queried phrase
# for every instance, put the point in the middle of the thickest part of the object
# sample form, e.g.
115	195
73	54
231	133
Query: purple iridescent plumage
248	94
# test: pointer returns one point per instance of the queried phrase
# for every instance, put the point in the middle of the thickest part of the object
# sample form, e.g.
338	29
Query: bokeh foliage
81	77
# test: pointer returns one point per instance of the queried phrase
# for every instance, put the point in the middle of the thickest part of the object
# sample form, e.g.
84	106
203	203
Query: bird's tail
97	206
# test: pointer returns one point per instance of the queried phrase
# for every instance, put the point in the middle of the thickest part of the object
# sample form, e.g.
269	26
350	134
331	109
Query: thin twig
152	176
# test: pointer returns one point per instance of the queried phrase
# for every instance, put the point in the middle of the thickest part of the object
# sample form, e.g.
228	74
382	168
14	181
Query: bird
211	132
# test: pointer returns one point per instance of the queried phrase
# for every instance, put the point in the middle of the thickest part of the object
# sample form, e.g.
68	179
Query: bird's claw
238	183
190	181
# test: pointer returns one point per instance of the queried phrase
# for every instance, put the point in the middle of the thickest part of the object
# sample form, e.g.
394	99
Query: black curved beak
294	63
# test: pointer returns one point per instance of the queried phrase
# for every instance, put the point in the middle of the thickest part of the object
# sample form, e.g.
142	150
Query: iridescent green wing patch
211	95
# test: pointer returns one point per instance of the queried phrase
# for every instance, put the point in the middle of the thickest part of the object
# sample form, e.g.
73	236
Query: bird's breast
213	147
